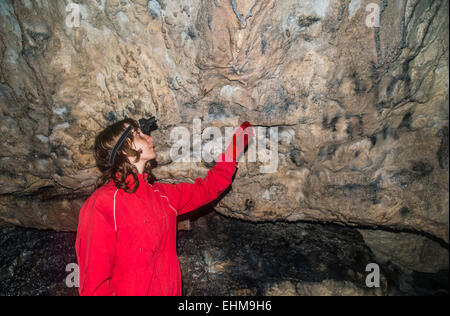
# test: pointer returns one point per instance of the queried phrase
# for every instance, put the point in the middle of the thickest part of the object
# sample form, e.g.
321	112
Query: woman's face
144	142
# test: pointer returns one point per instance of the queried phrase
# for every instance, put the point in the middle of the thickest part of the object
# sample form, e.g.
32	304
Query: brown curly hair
121	167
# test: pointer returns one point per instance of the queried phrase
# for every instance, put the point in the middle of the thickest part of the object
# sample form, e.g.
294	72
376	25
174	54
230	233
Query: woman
126	239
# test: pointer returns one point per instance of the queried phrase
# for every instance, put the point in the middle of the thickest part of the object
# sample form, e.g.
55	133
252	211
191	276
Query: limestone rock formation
224	256
413	252
361	108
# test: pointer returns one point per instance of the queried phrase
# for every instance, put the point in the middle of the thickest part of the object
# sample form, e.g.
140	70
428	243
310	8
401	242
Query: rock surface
410	251
364	110
224	256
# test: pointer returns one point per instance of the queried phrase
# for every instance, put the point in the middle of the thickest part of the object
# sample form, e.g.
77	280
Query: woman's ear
133	145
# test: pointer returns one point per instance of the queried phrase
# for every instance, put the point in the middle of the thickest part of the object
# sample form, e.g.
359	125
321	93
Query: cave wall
363	110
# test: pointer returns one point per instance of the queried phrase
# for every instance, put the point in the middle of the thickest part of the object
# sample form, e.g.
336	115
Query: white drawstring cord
168	202
114	209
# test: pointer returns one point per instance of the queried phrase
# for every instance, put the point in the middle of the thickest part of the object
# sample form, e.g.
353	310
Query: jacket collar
141	177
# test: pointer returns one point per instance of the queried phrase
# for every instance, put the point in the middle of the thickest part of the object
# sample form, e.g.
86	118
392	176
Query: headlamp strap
118	144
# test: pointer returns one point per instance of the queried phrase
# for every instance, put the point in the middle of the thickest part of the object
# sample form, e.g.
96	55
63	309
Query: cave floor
223	256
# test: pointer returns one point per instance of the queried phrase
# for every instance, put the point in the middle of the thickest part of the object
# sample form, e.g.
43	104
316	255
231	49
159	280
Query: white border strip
115	224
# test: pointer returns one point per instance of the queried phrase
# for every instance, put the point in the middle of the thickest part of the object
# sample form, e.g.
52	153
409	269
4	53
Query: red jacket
126	243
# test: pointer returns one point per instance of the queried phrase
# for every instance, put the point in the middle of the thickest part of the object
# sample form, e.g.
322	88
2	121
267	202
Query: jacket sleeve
95	246
186	197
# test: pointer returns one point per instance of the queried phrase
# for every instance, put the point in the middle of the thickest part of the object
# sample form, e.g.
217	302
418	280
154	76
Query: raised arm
186	197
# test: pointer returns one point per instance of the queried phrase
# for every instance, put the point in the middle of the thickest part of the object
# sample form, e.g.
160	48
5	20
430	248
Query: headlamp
148	125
